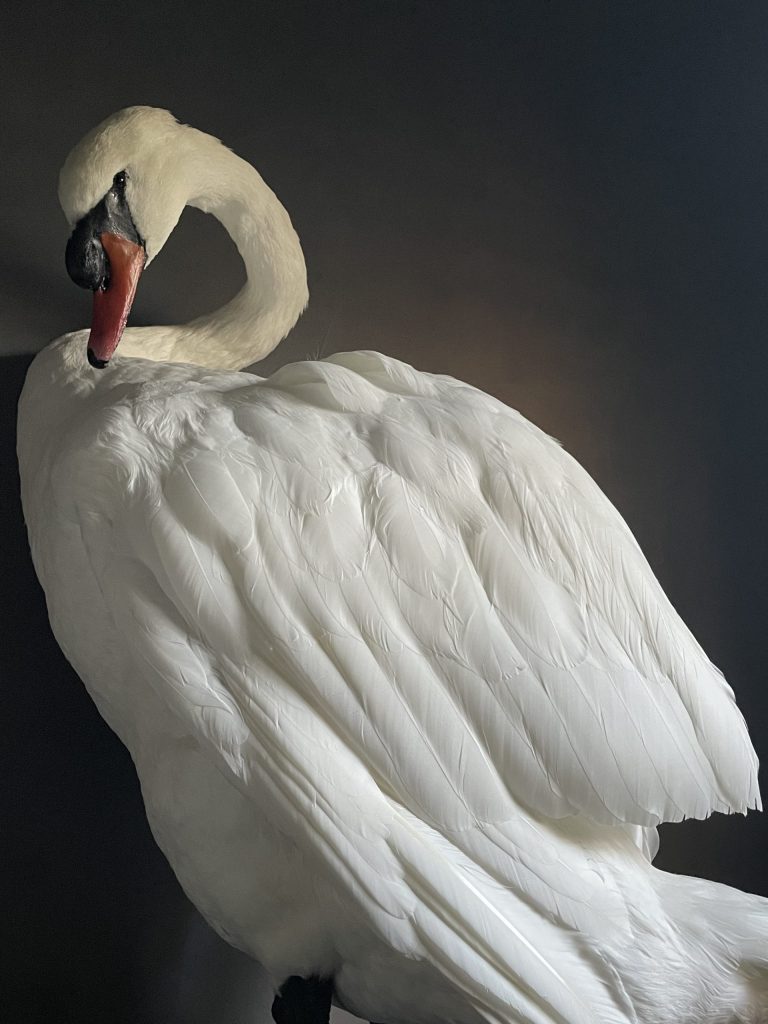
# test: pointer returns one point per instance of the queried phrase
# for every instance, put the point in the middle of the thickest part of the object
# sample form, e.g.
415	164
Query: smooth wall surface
564	204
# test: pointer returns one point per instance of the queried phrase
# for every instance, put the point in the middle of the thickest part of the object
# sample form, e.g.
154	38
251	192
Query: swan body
404	697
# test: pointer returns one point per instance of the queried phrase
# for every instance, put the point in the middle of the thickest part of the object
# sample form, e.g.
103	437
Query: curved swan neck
246	329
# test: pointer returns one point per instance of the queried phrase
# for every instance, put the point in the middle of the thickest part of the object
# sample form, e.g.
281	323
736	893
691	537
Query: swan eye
118	182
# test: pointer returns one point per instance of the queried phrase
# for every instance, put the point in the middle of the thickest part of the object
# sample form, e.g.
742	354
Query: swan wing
436	583
535	620
411	629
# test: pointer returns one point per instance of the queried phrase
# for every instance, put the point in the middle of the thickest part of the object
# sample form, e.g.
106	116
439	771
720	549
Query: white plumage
405	699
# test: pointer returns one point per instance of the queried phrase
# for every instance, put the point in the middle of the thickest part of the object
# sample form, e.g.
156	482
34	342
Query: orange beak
111	305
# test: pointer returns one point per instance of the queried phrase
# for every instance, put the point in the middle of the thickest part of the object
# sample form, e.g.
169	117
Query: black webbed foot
303	1001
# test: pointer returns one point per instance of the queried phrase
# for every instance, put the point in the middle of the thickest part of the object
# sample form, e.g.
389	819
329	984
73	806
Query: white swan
404	697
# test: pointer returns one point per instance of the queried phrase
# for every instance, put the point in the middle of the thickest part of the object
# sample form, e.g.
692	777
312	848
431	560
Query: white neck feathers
246	329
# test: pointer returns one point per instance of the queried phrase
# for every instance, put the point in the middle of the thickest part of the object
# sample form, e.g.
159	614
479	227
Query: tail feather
512	961
728	931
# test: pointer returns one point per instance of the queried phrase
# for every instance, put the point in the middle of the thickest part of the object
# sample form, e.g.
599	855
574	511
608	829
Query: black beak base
85	257
87	263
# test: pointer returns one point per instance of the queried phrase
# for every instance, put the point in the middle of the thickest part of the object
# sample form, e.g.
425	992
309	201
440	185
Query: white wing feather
396	614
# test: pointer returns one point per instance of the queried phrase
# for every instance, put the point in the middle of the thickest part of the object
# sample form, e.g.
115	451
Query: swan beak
112	304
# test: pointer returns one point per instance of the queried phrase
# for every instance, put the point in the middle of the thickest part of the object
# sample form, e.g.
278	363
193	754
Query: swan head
122	189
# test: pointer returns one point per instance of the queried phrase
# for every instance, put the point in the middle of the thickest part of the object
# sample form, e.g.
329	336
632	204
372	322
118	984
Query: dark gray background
563	204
